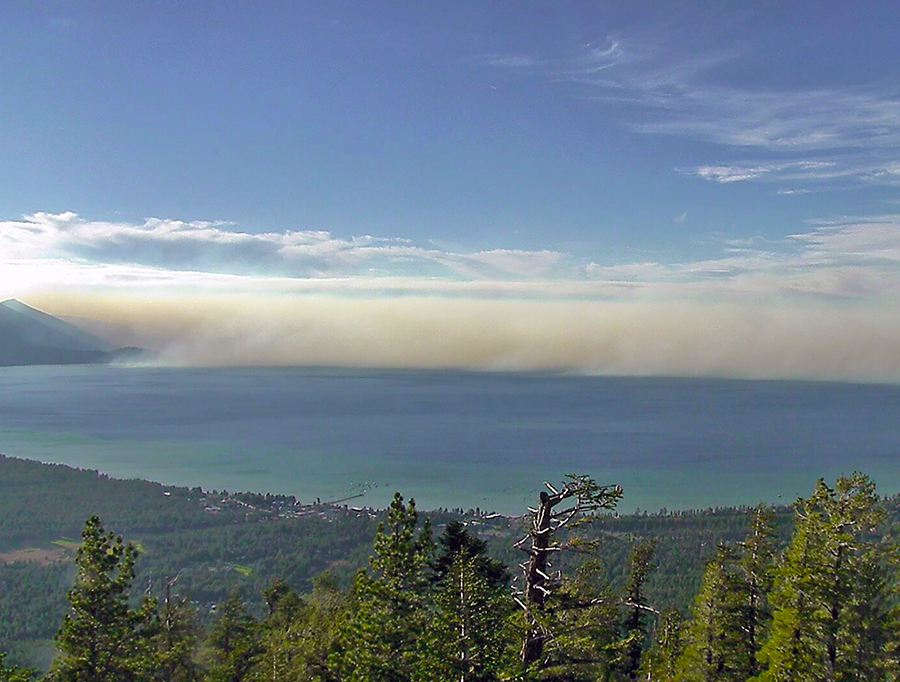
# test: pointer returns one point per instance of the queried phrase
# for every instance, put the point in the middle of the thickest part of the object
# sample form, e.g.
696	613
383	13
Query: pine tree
731	615
635	627
831	595
176	640
300	633
283	634
13	673
790	652
660	663
325	620
755	569
869	615
281	600
102	639
456	541
580	626
466	640
234	643
468	636
380	640
892	626
402	549
713	636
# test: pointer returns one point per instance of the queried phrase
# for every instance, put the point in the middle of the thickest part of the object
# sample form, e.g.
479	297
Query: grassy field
40	555
67	543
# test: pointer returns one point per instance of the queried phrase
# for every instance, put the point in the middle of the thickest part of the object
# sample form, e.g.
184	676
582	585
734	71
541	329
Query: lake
452	439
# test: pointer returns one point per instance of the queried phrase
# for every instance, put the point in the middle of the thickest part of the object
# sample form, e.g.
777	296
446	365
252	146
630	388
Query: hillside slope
31	337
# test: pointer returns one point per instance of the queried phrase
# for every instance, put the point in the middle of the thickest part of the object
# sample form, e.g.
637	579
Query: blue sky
726	152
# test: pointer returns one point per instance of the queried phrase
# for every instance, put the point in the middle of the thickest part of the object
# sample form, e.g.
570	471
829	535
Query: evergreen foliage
218	543
102	639
13	673
234	643
467	638
388	608
176	640
713	638
662	659
825	609
831	597
557	610
300	634
635	630
581	620
456	542
755	570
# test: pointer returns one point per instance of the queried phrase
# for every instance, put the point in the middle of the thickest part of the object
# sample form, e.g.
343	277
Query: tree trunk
535	595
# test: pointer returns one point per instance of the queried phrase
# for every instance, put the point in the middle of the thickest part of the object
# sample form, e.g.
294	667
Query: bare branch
641	607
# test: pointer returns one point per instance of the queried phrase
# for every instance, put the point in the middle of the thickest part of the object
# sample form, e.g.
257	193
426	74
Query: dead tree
579	496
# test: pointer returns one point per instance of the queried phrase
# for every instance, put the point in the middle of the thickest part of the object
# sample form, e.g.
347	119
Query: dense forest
218	543
225	586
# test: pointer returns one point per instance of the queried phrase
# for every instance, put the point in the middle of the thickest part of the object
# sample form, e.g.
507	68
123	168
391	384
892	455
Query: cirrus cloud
824	134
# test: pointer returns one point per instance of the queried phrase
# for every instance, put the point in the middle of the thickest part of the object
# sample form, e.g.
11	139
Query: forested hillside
215	542
218	542
221	553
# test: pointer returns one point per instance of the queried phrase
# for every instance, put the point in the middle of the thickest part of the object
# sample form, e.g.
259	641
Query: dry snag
579	497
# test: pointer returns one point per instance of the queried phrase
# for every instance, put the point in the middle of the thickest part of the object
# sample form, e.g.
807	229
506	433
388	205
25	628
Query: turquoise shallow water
452	438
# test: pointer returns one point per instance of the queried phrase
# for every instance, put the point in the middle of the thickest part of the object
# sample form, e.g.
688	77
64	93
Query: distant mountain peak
17	305
25	326
29	336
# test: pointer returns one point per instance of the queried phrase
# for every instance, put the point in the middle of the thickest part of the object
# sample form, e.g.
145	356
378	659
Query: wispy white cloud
816	171
219	247
595	58
738	173
820	120
869	240
511	61
853	257
856	257
853	132
590	60
796	191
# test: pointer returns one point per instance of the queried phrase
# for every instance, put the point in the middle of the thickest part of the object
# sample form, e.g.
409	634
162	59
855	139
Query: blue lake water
452	438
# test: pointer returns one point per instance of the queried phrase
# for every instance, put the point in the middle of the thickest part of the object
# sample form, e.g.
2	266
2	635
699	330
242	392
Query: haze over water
452	438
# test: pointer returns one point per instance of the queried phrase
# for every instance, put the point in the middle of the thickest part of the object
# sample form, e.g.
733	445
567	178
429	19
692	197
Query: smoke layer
630	338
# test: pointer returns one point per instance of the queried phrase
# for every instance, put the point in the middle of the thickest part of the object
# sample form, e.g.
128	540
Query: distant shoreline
143	357
723	510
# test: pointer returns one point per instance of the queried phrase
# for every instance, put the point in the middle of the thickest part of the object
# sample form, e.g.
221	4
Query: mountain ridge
29	336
